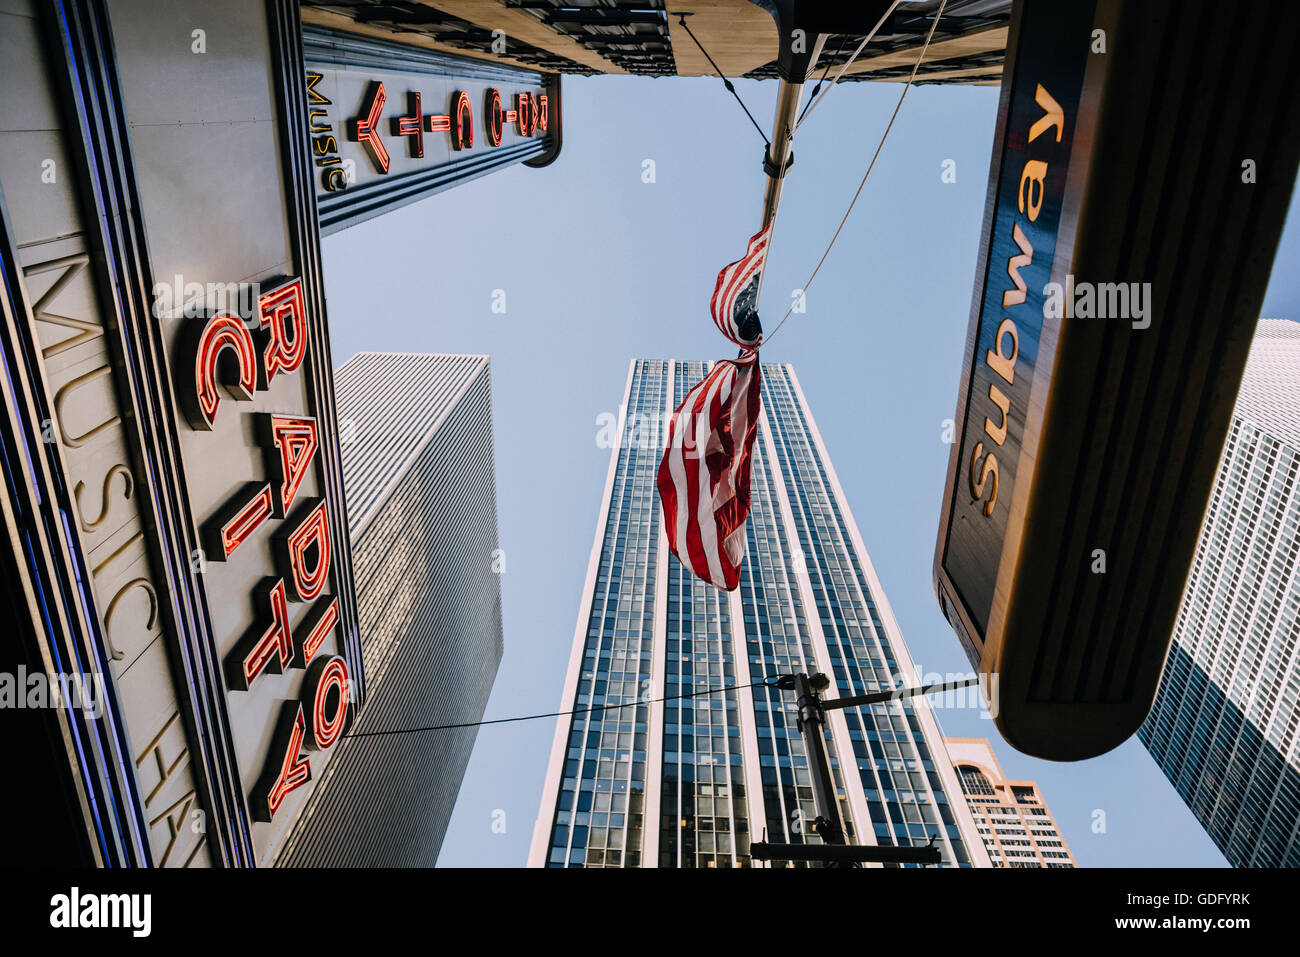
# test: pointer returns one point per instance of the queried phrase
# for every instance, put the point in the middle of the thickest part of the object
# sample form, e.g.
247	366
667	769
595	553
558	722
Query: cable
681	19
865	40
870	166
769	682
838	50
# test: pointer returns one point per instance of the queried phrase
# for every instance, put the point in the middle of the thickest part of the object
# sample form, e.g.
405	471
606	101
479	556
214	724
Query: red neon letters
328	681
463	113
525	113
531	113
327	616
492	116
283	314
411	126
292	772
244	520
365	130
224	339
225	355
295	440
307	550
320	730
273	650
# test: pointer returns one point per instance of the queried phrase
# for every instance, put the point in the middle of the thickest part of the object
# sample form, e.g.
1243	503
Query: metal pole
778	157
877	697
829	824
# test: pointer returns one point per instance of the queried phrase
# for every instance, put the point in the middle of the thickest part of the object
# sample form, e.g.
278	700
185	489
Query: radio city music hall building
174	518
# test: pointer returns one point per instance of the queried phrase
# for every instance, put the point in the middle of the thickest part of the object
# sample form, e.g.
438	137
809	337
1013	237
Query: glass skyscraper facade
1223	727
689	782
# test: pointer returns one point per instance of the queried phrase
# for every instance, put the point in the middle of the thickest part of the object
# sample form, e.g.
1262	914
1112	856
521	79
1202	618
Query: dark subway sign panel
1037	141
1127	246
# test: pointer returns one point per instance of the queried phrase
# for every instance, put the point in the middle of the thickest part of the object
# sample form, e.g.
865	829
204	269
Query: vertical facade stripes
606	753
395	402
1223	726
704	774
703	812
418	470
1013	819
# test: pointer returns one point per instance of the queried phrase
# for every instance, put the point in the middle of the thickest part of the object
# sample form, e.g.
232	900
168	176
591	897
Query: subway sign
1125	254
1036	137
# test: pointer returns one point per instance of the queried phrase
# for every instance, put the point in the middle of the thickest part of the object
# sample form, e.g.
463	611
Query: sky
599	266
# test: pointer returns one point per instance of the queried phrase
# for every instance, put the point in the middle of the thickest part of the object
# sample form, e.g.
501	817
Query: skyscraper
416	432
1012	817
689	782
1223	727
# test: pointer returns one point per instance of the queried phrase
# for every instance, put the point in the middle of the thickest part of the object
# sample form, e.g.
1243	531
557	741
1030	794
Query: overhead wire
870	166
826	72
817	98
769	682
681	19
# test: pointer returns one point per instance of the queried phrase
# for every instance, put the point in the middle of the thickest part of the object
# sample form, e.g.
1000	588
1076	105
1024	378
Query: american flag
704	476
735	298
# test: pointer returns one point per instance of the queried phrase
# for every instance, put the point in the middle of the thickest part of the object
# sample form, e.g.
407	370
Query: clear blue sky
599	267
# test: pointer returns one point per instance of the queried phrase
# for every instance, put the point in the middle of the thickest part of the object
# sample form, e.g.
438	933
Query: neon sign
464	113
492	115
365	129
223	354
530	114
411	126
282	317
294	439
227	359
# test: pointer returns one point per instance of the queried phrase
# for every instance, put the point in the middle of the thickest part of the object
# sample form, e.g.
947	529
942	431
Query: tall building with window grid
1223	726
690	782
1012	817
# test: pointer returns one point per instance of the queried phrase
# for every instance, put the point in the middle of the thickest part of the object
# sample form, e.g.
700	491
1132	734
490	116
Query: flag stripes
703	479
734	305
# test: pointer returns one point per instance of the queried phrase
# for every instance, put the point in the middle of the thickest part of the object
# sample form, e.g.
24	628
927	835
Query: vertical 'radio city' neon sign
227	359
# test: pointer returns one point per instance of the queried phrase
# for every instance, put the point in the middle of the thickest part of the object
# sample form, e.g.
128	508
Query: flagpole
779	155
